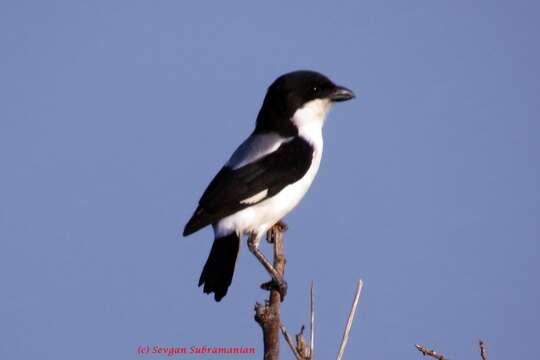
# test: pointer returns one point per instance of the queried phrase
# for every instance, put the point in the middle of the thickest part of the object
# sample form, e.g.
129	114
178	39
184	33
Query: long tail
218	271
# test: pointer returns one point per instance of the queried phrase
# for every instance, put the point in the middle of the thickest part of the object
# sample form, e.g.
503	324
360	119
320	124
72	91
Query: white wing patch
255	198
254	148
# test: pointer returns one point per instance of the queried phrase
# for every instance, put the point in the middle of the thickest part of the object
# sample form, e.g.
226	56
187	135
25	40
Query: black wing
229	188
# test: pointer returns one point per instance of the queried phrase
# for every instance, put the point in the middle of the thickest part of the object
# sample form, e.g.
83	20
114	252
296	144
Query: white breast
260	217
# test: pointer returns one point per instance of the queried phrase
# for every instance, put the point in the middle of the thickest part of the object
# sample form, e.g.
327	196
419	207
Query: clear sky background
115	115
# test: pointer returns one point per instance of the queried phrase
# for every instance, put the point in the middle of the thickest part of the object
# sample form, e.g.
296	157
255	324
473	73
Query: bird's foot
282	226
280	285
279	226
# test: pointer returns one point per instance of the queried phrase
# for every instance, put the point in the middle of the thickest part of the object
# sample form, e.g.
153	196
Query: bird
267	175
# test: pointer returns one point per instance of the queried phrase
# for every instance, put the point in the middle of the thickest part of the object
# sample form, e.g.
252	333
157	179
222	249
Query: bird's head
298	97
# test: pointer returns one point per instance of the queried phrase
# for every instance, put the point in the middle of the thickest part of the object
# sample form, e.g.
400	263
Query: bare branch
431	353
290	342
483	352
268	315
350	320
312	323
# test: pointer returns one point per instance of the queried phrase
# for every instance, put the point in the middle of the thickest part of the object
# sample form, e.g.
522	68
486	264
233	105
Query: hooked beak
341	93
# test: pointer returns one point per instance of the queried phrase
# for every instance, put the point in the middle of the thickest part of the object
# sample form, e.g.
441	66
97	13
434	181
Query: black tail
218	271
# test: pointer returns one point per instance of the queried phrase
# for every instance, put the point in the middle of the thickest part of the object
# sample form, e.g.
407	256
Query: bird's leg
277	282
253	245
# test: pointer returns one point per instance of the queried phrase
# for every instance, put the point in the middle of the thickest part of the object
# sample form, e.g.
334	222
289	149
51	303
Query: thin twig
350	320
312	323
301	344
483	352
431	353
290	342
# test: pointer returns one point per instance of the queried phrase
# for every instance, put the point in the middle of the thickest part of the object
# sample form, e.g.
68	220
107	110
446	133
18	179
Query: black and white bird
268	174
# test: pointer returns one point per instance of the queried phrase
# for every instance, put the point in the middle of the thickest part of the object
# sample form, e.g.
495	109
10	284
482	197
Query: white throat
310	118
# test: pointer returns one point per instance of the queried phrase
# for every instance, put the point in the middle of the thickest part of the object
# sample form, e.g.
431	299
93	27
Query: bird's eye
315	89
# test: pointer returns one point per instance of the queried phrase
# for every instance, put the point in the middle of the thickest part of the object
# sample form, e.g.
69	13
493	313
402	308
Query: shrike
267	175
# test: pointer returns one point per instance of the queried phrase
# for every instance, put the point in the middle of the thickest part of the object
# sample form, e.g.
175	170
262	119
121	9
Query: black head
292	91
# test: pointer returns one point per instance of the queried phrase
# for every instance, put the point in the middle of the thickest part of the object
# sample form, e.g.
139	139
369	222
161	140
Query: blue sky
115	115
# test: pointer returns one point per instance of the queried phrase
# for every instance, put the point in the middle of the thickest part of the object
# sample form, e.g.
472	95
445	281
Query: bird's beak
341	93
